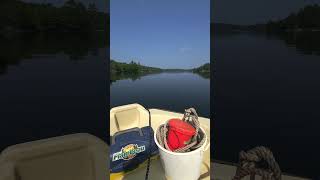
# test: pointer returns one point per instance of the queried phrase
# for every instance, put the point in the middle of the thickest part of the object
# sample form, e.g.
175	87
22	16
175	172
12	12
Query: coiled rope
190	116
250	161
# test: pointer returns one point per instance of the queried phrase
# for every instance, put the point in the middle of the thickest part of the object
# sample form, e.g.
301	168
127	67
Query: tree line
134	70
203	69
306	18
71	16
130	68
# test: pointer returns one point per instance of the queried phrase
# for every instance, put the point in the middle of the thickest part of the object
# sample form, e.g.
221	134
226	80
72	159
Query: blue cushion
130	148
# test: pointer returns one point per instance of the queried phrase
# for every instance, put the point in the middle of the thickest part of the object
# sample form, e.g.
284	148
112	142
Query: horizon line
162	68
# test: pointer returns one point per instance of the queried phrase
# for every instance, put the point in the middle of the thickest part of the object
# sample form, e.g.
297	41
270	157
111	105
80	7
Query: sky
102	5
254	11
160	33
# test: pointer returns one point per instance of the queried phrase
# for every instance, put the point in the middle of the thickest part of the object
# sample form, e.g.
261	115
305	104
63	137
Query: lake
172	91
268	93
52	85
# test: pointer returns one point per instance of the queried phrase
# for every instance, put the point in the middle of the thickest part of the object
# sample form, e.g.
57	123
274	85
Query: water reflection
137	76
267	93
304	42
132	76
173	91
76	46
52	85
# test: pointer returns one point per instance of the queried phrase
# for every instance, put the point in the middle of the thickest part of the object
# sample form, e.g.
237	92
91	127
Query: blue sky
160	33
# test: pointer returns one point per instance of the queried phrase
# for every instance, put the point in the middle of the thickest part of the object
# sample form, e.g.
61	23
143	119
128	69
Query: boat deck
139	118
84	157
219	171
225	171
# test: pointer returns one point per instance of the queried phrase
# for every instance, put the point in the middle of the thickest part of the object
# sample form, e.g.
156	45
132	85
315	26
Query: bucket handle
206	147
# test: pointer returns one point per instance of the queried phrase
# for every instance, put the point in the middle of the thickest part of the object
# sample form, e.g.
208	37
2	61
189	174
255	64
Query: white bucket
184	166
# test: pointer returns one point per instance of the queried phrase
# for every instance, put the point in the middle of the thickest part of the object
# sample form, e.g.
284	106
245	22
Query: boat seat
126	117
77	156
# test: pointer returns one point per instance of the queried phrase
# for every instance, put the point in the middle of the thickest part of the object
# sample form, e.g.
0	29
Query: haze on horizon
164	34
248	12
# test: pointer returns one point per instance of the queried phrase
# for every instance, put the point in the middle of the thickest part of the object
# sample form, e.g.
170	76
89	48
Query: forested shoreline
306	19
134	70
18	16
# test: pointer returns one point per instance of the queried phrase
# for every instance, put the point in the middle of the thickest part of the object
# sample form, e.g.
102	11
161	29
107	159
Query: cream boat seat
76	156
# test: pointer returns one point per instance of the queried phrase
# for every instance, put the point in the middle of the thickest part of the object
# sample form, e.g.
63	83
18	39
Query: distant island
134	70
18	16
306	19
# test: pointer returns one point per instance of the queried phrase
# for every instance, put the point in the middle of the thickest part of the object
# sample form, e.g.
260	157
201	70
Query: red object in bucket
180	133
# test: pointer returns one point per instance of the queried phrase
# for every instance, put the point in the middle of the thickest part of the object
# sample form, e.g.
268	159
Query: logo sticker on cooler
128	152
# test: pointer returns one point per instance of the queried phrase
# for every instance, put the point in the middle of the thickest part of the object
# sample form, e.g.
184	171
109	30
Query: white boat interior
86	157
135	115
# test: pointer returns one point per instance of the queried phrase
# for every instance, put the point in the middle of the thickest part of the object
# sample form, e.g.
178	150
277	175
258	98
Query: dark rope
148	164
250	162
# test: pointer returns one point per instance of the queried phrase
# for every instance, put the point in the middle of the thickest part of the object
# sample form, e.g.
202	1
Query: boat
85	157
134	115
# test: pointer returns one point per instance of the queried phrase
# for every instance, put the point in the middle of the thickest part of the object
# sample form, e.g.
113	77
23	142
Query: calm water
169	91
52	85
268	93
